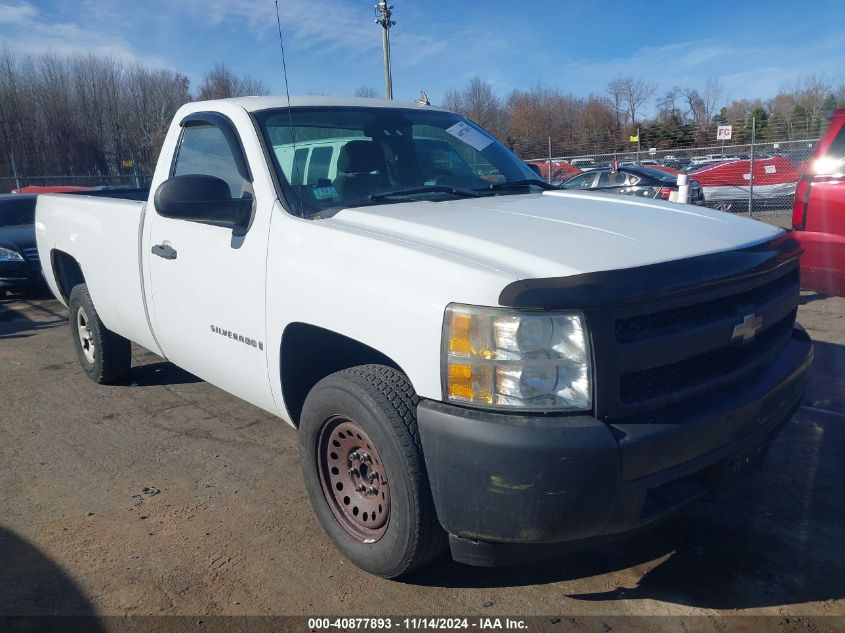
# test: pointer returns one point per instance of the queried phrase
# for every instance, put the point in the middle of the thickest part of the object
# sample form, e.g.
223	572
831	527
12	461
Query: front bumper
512	488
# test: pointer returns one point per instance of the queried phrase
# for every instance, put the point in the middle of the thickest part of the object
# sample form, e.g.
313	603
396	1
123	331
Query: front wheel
104	356
364	471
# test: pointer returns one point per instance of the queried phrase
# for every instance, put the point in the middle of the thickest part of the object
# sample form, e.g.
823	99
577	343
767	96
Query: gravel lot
231	531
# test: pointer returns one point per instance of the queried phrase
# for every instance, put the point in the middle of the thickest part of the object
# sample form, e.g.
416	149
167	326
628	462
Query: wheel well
310	353
67	272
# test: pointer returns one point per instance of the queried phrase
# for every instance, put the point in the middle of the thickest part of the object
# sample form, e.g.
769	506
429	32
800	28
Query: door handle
164	250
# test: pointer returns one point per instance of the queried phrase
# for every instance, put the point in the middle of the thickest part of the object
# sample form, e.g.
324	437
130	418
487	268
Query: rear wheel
105	357
364	470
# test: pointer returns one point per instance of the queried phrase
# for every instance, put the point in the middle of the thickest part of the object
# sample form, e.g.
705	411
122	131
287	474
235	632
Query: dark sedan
19	265
20	268
646	182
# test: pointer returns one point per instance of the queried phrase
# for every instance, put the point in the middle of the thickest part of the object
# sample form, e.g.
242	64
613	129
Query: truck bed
102	233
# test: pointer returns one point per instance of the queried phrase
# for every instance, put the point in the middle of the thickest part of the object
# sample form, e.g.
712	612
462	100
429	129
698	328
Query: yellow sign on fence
634	139
127	164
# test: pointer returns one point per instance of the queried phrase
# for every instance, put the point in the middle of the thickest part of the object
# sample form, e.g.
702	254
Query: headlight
534	361
8	255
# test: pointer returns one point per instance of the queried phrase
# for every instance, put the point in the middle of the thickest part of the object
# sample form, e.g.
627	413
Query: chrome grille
702	369
687	317
671	349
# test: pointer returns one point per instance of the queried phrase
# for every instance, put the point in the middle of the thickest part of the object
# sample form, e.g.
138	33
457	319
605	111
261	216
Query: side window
584	181
204	151
609	179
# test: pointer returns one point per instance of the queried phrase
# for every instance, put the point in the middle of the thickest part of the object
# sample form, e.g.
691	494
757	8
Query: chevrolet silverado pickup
472	359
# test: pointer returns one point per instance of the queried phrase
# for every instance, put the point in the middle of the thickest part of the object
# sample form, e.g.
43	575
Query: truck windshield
335	157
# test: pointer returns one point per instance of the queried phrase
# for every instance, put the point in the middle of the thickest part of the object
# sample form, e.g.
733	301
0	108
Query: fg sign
723	132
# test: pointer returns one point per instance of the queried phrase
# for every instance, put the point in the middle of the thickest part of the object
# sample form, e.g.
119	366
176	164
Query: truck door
206	278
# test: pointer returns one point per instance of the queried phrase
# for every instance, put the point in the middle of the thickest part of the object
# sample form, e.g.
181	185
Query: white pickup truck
471	357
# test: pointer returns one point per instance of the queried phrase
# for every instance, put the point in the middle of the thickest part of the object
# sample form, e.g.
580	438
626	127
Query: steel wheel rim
86	337
353	479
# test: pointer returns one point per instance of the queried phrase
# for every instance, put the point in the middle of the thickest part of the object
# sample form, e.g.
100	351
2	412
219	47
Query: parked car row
726	184
646	182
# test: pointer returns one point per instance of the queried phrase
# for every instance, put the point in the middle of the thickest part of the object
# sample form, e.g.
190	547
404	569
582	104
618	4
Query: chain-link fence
756	177
11	183
759	176
747	163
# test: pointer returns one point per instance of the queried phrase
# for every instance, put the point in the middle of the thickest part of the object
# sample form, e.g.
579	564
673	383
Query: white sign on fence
723	132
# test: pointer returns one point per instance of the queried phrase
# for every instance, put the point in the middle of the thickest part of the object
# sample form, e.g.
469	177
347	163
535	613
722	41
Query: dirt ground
231	531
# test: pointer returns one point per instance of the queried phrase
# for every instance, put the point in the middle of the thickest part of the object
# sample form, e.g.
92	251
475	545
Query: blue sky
333	46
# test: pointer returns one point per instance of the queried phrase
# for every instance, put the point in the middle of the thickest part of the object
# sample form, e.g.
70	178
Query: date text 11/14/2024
417	623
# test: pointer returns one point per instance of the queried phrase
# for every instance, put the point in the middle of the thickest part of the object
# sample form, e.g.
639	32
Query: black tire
110	358
382	402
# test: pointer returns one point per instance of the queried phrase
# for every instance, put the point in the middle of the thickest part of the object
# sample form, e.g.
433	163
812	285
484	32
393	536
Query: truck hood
558	233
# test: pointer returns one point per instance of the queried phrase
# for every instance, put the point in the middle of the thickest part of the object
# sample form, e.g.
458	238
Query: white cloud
325	27
30	33
755	70
329	28
16	13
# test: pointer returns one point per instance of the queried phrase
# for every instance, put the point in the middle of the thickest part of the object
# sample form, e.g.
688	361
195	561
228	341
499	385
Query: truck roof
254	104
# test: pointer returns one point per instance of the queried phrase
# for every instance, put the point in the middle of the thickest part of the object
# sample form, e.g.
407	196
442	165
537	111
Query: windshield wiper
455	191
513	184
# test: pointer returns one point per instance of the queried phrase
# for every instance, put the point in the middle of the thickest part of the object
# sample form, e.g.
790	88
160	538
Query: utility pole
384	12
638	146
135	169
751	170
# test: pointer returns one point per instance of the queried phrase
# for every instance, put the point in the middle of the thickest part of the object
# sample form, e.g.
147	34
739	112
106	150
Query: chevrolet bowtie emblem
747	330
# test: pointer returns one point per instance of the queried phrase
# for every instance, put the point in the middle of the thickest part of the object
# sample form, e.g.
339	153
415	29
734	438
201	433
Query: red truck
818	215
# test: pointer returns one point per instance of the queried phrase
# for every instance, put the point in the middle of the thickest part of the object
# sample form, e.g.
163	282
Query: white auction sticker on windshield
469	135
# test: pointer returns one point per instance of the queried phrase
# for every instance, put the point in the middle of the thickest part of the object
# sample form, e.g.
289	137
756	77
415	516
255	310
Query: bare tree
615	90
631	93
366	91
703	106
713	97
477	102
812	93
222	83
83	114
667	105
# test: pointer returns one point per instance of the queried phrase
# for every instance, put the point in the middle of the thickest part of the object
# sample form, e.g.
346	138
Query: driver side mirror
201	198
